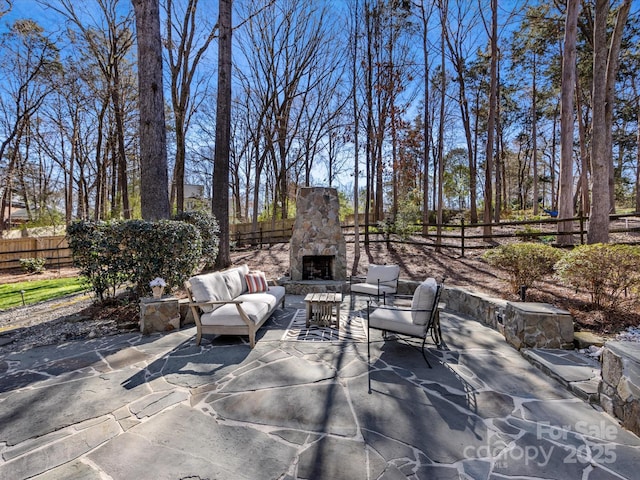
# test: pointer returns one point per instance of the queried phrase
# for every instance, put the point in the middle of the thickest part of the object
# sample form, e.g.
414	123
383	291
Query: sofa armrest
215	302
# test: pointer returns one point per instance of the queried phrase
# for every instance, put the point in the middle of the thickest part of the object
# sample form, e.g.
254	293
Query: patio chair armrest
403	309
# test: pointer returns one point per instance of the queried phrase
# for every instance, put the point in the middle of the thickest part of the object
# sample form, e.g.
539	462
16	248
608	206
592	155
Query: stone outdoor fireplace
317	250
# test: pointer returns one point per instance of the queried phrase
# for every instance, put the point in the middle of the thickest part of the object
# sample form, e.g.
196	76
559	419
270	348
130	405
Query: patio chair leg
424	340
368	351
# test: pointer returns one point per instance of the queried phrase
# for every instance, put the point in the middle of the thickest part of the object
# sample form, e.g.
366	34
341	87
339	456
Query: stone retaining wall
486	309
620	386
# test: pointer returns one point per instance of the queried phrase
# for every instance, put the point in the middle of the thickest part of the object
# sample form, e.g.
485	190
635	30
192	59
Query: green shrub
111	254
167	249
526	263
33	265
607	272
209	230
96	252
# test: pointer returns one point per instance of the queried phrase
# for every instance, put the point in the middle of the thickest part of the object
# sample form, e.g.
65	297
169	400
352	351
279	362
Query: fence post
581	230
462	235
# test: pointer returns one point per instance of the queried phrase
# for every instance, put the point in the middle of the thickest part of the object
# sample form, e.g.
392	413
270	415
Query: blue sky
25	8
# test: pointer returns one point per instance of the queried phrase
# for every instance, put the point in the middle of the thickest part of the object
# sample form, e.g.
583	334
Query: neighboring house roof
193	191
18	214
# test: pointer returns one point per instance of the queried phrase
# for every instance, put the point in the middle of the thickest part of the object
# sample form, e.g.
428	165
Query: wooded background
407	107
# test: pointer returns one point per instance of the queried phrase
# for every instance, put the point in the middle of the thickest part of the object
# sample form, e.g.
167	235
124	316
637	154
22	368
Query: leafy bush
167	249
110	254
96	251
607	272
209	230
526	263
33	265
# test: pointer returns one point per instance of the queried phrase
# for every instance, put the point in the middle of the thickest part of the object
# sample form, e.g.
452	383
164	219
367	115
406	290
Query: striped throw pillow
256	282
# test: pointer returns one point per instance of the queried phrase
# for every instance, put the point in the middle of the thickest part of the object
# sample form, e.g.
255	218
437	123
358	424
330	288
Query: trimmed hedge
112	254
209	229
608	272
526	263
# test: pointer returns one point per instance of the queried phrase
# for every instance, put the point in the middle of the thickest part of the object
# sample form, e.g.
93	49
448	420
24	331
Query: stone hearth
317	234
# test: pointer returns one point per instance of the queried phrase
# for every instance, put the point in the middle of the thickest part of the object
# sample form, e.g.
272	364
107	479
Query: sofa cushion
228	314
233	278
423	299
209	287
256	282
271	297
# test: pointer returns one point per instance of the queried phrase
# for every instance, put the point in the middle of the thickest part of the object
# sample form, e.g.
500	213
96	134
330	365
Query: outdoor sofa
232	302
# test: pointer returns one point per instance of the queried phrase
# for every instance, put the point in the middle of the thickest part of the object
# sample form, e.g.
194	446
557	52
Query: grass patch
38	291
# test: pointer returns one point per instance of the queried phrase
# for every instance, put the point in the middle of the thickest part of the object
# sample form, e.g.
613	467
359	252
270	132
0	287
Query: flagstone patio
160	407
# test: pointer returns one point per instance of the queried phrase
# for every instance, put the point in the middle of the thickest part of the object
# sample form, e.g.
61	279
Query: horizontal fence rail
624	229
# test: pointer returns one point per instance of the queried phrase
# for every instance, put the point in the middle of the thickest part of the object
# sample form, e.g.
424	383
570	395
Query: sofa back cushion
256	282
387	274
210	287
423	299
234	281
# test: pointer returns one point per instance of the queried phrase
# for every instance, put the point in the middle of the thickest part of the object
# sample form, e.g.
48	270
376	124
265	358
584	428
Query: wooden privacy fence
458	236
55	250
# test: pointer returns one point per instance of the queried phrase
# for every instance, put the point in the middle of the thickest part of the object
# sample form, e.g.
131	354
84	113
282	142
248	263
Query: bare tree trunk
220	203
612	69
369	136
598	230
444	5
585	203
123	182
565	193
534	136
426	120
605	66
356	145
493	100
635	91
154	179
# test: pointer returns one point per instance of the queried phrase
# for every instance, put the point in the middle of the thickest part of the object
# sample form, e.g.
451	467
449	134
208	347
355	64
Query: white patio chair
417	321
381	280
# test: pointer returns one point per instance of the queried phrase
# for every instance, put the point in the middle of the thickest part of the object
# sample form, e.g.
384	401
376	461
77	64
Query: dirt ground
417	263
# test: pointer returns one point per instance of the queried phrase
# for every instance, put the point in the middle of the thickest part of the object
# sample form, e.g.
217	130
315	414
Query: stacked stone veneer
317	231
486	309
620	386
159	315
537	325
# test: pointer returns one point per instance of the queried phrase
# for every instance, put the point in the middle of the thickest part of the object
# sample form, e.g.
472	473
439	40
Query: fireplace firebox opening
317	267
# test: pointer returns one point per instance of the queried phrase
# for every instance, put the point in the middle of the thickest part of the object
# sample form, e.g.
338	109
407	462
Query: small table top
328	297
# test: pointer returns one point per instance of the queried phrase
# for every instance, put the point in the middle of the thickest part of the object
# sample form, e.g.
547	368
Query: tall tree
613	61
356	136
565	194
109	44
425	15
185	51
30	62
220	201
605	63
444	8
154	178
459	51
491	120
